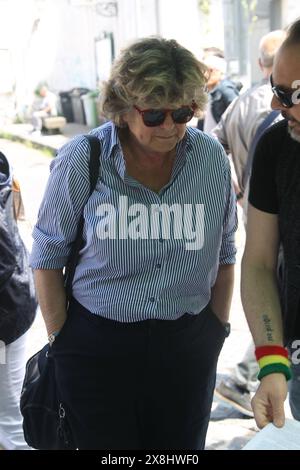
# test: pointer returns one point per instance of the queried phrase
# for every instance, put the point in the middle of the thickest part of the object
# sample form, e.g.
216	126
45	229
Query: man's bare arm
261	304
259	281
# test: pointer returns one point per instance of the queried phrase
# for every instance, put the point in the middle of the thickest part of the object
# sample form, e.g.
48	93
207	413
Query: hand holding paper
268	402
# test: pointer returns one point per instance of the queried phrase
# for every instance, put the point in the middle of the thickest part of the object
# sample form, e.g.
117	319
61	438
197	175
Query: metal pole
157	17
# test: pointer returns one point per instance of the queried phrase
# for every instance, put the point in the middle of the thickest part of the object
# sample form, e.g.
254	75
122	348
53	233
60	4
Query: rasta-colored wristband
275	368
269	350
273	359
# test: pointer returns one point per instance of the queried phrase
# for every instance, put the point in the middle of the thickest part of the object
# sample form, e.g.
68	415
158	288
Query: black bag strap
72	262
259	132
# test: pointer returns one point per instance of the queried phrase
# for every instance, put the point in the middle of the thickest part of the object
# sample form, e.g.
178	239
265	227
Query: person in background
17	312
222	91
136	353
47	107
236	131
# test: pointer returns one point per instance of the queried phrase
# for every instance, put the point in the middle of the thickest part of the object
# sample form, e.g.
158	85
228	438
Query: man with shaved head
274	219
242	118
236	132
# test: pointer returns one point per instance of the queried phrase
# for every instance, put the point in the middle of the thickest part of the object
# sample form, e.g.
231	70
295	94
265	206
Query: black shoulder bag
45	423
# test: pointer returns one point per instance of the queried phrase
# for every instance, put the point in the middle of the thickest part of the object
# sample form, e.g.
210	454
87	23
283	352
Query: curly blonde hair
156	73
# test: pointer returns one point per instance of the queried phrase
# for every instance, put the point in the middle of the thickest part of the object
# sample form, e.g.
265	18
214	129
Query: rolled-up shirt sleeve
230	223
66	192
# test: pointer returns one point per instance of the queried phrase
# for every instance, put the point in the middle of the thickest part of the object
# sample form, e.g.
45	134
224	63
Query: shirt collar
113	142
182	147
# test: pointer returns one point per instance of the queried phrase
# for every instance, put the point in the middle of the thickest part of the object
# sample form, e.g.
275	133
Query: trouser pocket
224	327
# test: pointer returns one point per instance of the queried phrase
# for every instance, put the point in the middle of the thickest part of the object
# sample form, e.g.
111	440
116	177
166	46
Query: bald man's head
287	59
268	46
291	44
293	34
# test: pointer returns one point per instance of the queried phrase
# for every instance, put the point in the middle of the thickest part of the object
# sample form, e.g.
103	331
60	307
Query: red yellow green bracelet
273	359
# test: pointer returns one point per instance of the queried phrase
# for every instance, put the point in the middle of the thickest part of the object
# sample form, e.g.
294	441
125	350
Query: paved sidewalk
21	133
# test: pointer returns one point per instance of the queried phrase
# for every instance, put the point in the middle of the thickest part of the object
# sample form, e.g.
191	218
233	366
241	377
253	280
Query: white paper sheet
272	438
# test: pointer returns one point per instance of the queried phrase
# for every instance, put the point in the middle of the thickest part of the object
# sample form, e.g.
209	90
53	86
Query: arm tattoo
268	327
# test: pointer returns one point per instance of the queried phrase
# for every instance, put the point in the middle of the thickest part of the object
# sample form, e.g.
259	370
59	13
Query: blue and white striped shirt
145	254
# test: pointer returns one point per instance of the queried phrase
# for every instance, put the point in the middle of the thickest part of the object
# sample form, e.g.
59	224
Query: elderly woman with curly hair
136	352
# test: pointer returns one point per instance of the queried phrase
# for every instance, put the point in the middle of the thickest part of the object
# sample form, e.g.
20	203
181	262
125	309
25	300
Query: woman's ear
124	118
128	117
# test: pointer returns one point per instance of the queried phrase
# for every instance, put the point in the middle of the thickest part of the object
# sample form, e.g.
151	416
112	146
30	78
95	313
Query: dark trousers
143	385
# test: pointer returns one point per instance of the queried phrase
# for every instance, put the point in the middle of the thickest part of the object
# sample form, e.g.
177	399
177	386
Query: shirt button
161	240
152	299
158	265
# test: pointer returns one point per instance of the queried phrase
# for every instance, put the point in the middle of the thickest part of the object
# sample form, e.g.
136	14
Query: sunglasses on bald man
284	97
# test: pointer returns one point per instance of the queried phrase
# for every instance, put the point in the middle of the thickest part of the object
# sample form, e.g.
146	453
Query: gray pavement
22	133
228	429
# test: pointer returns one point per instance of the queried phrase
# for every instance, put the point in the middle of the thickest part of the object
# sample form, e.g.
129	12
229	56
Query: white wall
180	20
173	19
292	11
61	49
71	45
73	64
136	19
15	34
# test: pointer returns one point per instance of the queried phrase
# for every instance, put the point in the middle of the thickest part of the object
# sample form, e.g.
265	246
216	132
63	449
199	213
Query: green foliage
204	6
18	119
249	7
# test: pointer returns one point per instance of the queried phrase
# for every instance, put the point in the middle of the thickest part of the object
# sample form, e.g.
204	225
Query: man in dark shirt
236	131
274	219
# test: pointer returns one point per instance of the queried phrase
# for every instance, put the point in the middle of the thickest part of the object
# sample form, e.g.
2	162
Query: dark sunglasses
155	117
285	97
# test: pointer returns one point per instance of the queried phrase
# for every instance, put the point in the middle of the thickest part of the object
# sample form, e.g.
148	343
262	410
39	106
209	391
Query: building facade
72	43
